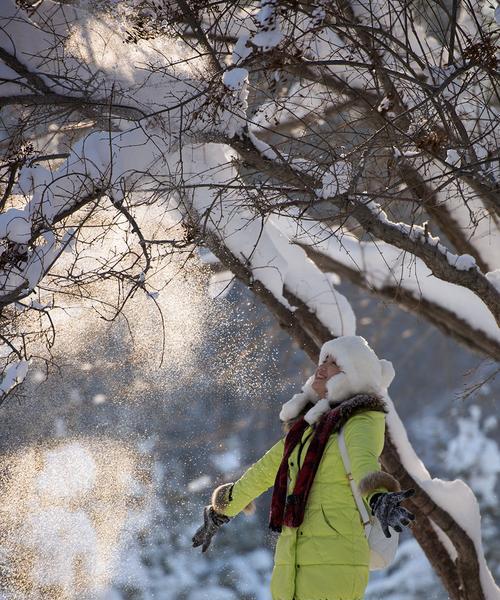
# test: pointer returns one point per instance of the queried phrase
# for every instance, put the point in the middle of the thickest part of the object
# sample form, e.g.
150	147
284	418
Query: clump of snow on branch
235	116
241	49
269	33
25	277
235	78
385	105
455	497
13	375
463	262
453	158
15	225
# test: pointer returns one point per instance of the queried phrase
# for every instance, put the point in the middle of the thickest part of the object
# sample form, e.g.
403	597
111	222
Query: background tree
294	140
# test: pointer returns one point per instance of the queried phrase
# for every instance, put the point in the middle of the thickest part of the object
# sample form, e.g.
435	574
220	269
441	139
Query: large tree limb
434	258
200	35
16	65
466	567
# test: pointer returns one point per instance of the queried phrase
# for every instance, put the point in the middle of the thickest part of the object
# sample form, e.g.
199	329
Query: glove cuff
221	497
378	479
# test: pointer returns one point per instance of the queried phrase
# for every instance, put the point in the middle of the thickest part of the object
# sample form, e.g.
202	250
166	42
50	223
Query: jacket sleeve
364	439
231	498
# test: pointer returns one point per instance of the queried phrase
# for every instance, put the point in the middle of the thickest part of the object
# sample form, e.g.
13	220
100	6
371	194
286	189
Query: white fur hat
362	372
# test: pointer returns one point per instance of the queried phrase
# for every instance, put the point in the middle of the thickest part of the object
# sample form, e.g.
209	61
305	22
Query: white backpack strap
355	492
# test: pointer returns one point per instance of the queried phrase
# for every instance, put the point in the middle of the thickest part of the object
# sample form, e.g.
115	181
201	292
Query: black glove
212	522
385	506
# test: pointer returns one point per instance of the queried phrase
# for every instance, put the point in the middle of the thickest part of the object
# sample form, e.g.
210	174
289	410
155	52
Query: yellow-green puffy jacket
327	556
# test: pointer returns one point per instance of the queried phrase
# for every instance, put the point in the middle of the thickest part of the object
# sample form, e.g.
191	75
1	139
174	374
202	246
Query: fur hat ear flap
338	387
307	389
387	373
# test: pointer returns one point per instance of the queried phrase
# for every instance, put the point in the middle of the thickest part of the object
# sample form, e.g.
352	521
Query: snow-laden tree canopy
298	141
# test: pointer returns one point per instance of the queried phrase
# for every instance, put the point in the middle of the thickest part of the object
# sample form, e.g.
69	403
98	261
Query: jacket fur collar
348	408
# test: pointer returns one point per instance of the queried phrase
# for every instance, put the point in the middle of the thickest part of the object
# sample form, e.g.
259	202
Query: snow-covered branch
460	270
351	259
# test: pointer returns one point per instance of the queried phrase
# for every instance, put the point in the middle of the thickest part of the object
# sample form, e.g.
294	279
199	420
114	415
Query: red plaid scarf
289	510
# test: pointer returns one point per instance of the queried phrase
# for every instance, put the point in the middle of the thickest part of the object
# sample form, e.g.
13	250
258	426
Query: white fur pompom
294	406
317	411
